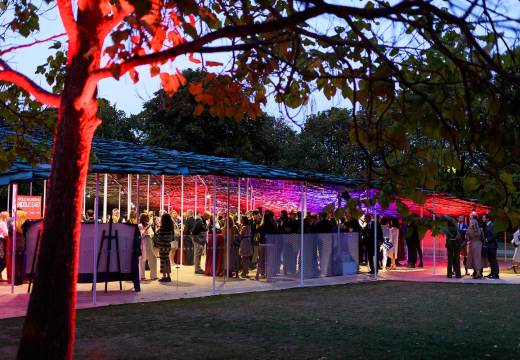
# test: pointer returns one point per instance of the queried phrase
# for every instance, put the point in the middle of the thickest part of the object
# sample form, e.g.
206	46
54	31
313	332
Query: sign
32	205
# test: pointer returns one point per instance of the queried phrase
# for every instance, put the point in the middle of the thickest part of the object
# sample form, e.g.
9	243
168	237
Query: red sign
32	205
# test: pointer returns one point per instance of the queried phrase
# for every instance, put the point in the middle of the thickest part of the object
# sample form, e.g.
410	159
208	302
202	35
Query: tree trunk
49	326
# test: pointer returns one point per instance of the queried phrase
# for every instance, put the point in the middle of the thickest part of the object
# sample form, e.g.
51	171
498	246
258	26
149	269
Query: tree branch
18	79
17	47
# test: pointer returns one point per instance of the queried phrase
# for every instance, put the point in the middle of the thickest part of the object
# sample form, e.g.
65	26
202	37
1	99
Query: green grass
383	320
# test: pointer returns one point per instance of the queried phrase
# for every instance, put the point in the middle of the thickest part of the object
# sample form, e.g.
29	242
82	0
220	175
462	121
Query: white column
138	195
238	205
13	240
196	194
376	250
182	220
8	198
227	232
434	240
105	197
129	197
84	207
45	197
162	194
95	243
247	194
119	198
302	231
148	193
214	265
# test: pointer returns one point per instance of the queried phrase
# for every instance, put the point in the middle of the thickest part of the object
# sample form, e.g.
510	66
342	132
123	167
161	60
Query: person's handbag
387	244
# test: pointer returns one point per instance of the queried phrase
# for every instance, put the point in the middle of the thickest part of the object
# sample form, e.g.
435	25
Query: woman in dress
245	245
146	231
394	240
4	235
386	240
163	239
267	226
474	239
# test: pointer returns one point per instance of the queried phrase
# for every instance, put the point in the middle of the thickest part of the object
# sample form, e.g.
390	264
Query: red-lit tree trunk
49	326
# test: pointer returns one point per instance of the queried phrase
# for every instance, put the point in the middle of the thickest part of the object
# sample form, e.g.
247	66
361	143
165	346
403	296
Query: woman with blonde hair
4	236
19	227
474	238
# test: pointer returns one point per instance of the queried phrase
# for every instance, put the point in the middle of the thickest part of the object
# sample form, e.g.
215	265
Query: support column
434	240
105	197
120	189
13	239
129	197
196	194
214	255
138	195
162	195
376	251
182	220
45	198
95	242
148	194
302	231
247	195
238	200
227	232
9	199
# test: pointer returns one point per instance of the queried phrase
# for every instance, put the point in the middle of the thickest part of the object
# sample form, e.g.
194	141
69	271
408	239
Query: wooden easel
109	239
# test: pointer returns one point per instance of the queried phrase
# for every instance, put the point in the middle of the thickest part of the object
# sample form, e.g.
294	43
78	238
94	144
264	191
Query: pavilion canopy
274	188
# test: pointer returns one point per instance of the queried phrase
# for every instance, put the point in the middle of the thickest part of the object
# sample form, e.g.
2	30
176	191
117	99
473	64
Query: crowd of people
398	244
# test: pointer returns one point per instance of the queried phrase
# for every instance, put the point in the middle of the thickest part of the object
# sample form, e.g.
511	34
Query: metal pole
105	197
148	194
302	231
138	195
214	265
227	232
96	234
84	196
196	194
434	240
45	197
182	219
162	194
375	264
119	198
238	205
9	198
247	194
13	241
129	197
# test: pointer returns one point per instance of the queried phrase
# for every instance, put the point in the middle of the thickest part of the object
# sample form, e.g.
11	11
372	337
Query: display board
125	245
32	205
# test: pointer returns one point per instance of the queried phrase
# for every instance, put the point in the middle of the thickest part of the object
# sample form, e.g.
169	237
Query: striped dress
163	241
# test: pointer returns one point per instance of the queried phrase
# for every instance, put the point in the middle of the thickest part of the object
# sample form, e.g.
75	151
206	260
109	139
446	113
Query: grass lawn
382	320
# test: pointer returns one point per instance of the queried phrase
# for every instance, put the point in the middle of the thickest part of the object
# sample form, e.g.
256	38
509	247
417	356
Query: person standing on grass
474	239
163	238
4	235
453	249
490	241
463	227
146	231
245	245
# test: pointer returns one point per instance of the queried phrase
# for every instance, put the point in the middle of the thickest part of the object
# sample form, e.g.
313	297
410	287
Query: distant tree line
323	144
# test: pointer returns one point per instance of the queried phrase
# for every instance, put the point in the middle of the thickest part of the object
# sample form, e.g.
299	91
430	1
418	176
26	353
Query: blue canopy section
118	157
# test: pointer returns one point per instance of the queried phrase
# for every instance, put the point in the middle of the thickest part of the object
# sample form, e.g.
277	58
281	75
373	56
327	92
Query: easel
34	261
109	238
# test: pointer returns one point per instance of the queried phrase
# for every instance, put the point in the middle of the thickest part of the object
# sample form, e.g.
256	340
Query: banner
32	205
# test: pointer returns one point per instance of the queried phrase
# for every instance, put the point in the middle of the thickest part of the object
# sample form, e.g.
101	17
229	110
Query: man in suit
189	222
371	247
490	241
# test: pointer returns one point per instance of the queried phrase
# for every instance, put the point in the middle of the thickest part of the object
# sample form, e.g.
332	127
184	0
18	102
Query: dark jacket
452	234
490	236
